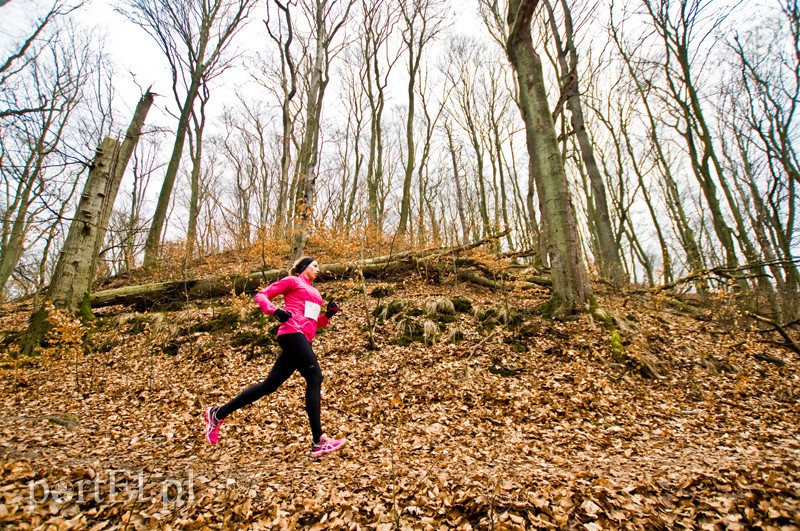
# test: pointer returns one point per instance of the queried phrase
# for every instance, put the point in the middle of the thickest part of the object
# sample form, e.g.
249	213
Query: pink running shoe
326	445
212	425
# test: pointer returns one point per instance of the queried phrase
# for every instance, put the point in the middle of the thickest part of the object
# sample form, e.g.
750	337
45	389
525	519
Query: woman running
300	320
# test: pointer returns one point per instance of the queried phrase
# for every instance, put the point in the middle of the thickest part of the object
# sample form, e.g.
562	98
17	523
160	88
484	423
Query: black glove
282	315
332	309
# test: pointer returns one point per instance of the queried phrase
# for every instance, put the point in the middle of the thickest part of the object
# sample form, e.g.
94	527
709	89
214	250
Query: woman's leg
283	368
306	362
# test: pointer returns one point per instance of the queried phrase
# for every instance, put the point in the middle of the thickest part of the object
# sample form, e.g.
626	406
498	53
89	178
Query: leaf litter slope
525	425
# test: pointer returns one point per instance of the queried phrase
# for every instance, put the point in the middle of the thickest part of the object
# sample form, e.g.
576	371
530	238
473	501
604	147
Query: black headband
302	264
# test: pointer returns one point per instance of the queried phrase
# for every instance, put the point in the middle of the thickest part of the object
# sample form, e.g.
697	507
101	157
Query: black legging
296	355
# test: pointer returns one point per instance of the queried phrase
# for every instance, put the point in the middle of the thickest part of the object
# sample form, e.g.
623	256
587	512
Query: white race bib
312	310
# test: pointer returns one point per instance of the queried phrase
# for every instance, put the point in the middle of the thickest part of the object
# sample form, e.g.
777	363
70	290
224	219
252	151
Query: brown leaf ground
515	427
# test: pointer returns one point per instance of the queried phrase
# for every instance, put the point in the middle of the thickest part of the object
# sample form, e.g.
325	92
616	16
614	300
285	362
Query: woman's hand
332	309
282	315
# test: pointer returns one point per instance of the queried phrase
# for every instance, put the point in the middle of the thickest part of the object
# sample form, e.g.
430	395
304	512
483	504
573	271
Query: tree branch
790	344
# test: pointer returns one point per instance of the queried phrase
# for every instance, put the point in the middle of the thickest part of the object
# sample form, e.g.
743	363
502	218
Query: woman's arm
264	297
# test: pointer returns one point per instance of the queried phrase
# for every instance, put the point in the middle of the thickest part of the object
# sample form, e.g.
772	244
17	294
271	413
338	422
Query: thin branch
778	328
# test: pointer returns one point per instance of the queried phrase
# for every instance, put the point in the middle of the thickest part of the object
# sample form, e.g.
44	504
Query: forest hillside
469	411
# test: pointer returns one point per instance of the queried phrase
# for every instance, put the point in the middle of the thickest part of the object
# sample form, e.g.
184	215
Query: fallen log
480	280
162	292
221	285
148	295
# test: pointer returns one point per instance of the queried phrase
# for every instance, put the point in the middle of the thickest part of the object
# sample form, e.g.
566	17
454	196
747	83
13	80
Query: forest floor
524	423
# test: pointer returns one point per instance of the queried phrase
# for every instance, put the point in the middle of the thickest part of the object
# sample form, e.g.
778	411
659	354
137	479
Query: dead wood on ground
152	294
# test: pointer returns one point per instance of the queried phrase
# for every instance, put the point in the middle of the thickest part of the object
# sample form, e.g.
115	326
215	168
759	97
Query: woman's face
311	271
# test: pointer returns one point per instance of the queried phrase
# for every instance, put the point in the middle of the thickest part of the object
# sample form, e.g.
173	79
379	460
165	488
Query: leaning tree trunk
153	244
571	290
69	287
72	279
121	161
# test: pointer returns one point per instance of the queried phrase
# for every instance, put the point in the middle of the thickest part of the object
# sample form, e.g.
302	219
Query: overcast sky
138	61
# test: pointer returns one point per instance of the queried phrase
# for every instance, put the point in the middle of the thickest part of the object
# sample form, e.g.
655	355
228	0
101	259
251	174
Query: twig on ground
480	344
790	344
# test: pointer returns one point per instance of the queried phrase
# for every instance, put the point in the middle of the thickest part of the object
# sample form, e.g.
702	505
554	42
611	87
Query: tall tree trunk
196	155
571	290
351	199
526	226
666	257
671	194
477	146
152	246
462	216
289	88
307	154
501	176
196	149
377	102
608	249
423	21
325	27
405	203
424	166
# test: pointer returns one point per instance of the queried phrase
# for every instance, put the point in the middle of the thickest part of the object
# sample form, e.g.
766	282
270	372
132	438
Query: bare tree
765	98
423	21
220	225
680	26
455	155
571	290
253	166
195	135
23	54
127	228
281	31
607	250
431	113
498	115
34	146
379	59
195	36
349	141
465	72
643	88
326	18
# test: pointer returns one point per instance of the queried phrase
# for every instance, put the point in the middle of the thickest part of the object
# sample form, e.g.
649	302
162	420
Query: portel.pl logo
115	486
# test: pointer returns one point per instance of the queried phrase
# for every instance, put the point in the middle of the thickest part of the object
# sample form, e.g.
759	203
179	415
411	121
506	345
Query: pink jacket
301	299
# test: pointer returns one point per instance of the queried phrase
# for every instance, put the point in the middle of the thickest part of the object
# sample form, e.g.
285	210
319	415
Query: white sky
139	62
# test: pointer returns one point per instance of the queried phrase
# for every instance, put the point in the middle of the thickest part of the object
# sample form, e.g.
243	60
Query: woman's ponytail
300	265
